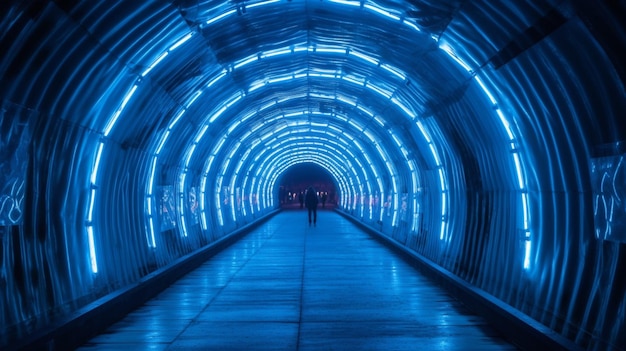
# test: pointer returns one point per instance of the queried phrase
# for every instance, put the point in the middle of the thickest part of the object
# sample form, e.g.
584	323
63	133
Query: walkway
288	286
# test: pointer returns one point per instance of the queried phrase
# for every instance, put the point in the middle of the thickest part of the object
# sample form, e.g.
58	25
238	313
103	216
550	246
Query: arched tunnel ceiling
455	112
417	94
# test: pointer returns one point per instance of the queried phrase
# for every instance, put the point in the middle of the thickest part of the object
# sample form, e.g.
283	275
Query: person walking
311	201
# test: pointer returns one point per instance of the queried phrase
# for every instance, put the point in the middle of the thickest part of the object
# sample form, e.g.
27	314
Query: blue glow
365	110
91	205
404	108
201	133
525	210
487	92
393	71
152	242
183	225
347	2
442	180
387	94
443	230
423	131
181	41
216	79
506	124
195	96
261	3
92	250
162	142
381	11
156	62
364	57
149	205
96	165
527	254
256	86
181	188
450	51
412	25
435	155
330	50
354	80
355	125
192	149
224	108
518	168
152	171
443	204
322	75
245	61
176	119
276	52
221	16
346	100
380	121
113	120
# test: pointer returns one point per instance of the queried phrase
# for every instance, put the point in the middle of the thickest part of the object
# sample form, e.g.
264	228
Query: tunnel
485	137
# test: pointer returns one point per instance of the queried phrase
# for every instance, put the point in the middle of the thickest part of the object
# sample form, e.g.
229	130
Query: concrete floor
288	286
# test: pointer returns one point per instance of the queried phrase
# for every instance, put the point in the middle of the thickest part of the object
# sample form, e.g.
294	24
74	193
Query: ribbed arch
491	120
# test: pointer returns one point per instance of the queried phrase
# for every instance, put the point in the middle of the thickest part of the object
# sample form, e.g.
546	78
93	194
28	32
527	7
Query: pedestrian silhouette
311	201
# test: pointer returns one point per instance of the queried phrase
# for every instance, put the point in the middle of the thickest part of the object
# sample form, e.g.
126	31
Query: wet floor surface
288	286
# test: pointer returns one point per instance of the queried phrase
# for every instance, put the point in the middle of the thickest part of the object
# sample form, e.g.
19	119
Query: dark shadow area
294	182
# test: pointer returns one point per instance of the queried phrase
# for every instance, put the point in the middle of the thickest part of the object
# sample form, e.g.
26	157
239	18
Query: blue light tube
92	250
176	119
506	124
117	114
346	100
355	125
149	205
279	79
152	242
451	52
330	49
423	131
92	200
387	94
403	108
412	25
156	62
347	2
360	81
381	11
525	210
181	41
219	17
487	92
527	254
96	165
255	86
393	71
201	134
195	96
277	52
364	57
151	179
162	142
190	152
261	3
217	78
518	168
435	155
